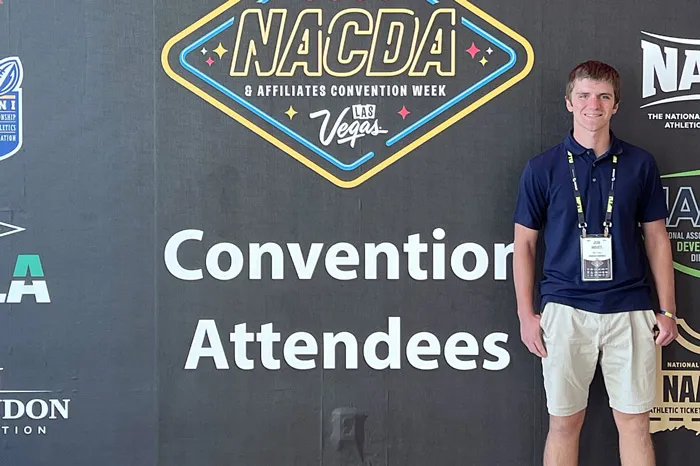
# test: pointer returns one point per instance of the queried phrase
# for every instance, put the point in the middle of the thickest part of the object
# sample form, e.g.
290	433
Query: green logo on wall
683	222
27	280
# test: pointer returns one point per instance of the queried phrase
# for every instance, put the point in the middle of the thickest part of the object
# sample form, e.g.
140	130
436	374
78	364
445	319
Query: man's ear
569	106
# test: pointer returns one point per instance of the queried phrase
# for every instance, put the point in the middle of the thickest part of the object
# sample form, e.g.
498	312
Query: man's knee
567	426
632	424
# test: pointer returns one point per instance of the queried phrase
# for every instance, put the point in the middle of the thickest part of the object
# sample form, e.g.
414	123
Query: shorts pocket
650	318
545	316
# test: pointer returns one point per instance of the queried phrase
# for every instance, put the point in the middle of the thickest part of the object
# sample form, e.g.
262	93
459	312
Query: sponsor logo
347	91
671	74
678	383
11	74
27	280
29	412
683	222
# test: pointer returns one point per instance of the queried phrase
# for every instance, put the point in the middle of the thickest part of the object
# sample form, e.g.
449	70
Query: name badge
596	258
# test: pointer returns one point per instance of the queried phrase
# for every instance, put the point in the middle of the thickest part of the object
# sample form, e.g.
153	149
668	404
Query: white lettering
235	256
36	288
392	340
170	254
502	356
414	351
480	267
453	351
206	329
345	132
334	261
330	341
656	67
292	350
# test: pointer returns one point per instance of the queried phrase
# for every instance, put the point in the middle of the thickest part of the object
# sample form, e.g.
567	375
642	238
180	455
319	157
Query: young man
601	208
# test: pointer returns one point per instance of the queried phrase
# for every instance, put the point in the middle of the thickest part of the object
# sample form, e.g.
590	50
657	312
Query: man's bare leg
561	448
636	448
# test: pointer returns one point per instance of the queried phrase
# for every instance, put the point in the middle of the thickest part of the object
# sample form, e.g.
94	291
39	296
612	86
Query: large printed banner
262	232
670	91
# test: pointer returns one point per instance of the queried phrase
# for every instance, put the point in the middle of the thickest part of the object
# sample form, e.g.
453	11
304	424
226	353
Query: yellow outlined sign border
390	160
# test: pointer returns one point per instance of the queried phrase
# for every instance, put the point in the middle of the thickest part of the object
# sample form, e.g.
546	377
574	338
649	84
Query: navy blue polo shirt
546	202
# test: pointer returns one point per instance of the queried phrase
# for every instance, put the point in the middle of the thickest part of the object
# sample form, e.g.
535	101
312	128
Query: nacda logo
28	412
10	106
292	72
671	73
27	280
683	222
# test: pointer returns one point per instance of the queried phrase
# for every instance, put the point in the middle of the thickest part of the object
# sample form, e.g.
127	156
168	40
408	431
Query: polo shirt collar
575	148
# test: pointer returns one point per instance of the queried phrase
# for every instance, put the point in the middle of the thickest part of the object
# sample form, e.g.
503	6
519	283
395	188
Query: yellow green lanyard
607	223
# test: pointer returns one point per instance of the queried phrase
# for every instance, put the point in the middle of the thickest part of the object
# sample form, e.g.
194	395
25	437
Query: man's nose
593	101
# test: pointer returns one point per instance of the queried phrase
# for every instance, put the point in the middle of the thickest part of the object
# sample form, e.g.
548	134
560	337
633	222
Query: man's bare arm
658	249
524	249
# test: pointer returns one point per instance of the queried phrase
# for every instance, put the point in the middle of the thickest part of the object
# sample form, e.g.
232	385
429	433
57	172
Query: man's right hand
531	333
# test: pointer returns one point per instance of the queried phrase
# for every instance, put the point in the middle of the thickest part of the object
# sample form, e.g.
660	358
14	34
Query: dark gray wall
118	157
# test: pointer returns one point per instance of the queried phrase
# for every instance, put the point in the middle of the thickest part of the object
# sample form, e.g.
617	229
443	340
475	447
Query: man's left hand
668	330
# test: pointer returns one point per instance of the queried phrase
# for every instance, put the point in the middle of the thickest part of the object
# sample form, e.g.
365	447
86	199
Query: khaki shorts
577	340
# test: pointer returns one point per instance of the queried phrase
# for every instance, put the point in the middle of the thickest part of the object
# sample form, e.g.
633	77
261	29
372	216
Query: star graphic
204	51
473	50
220	50
483	61
210	61
489	50
291	112
404	112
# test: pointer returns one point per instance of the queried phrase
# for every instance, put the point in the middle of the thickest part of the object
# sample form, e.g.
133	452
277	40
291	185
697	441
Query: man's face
592	104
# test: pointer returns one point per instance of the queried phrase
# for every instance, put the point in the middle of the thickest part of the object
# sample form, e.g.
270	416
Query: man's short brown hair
596	71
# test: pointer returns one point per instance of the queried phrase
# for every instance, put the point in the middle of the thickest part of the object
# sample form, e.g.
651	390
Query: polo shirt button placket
593	168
